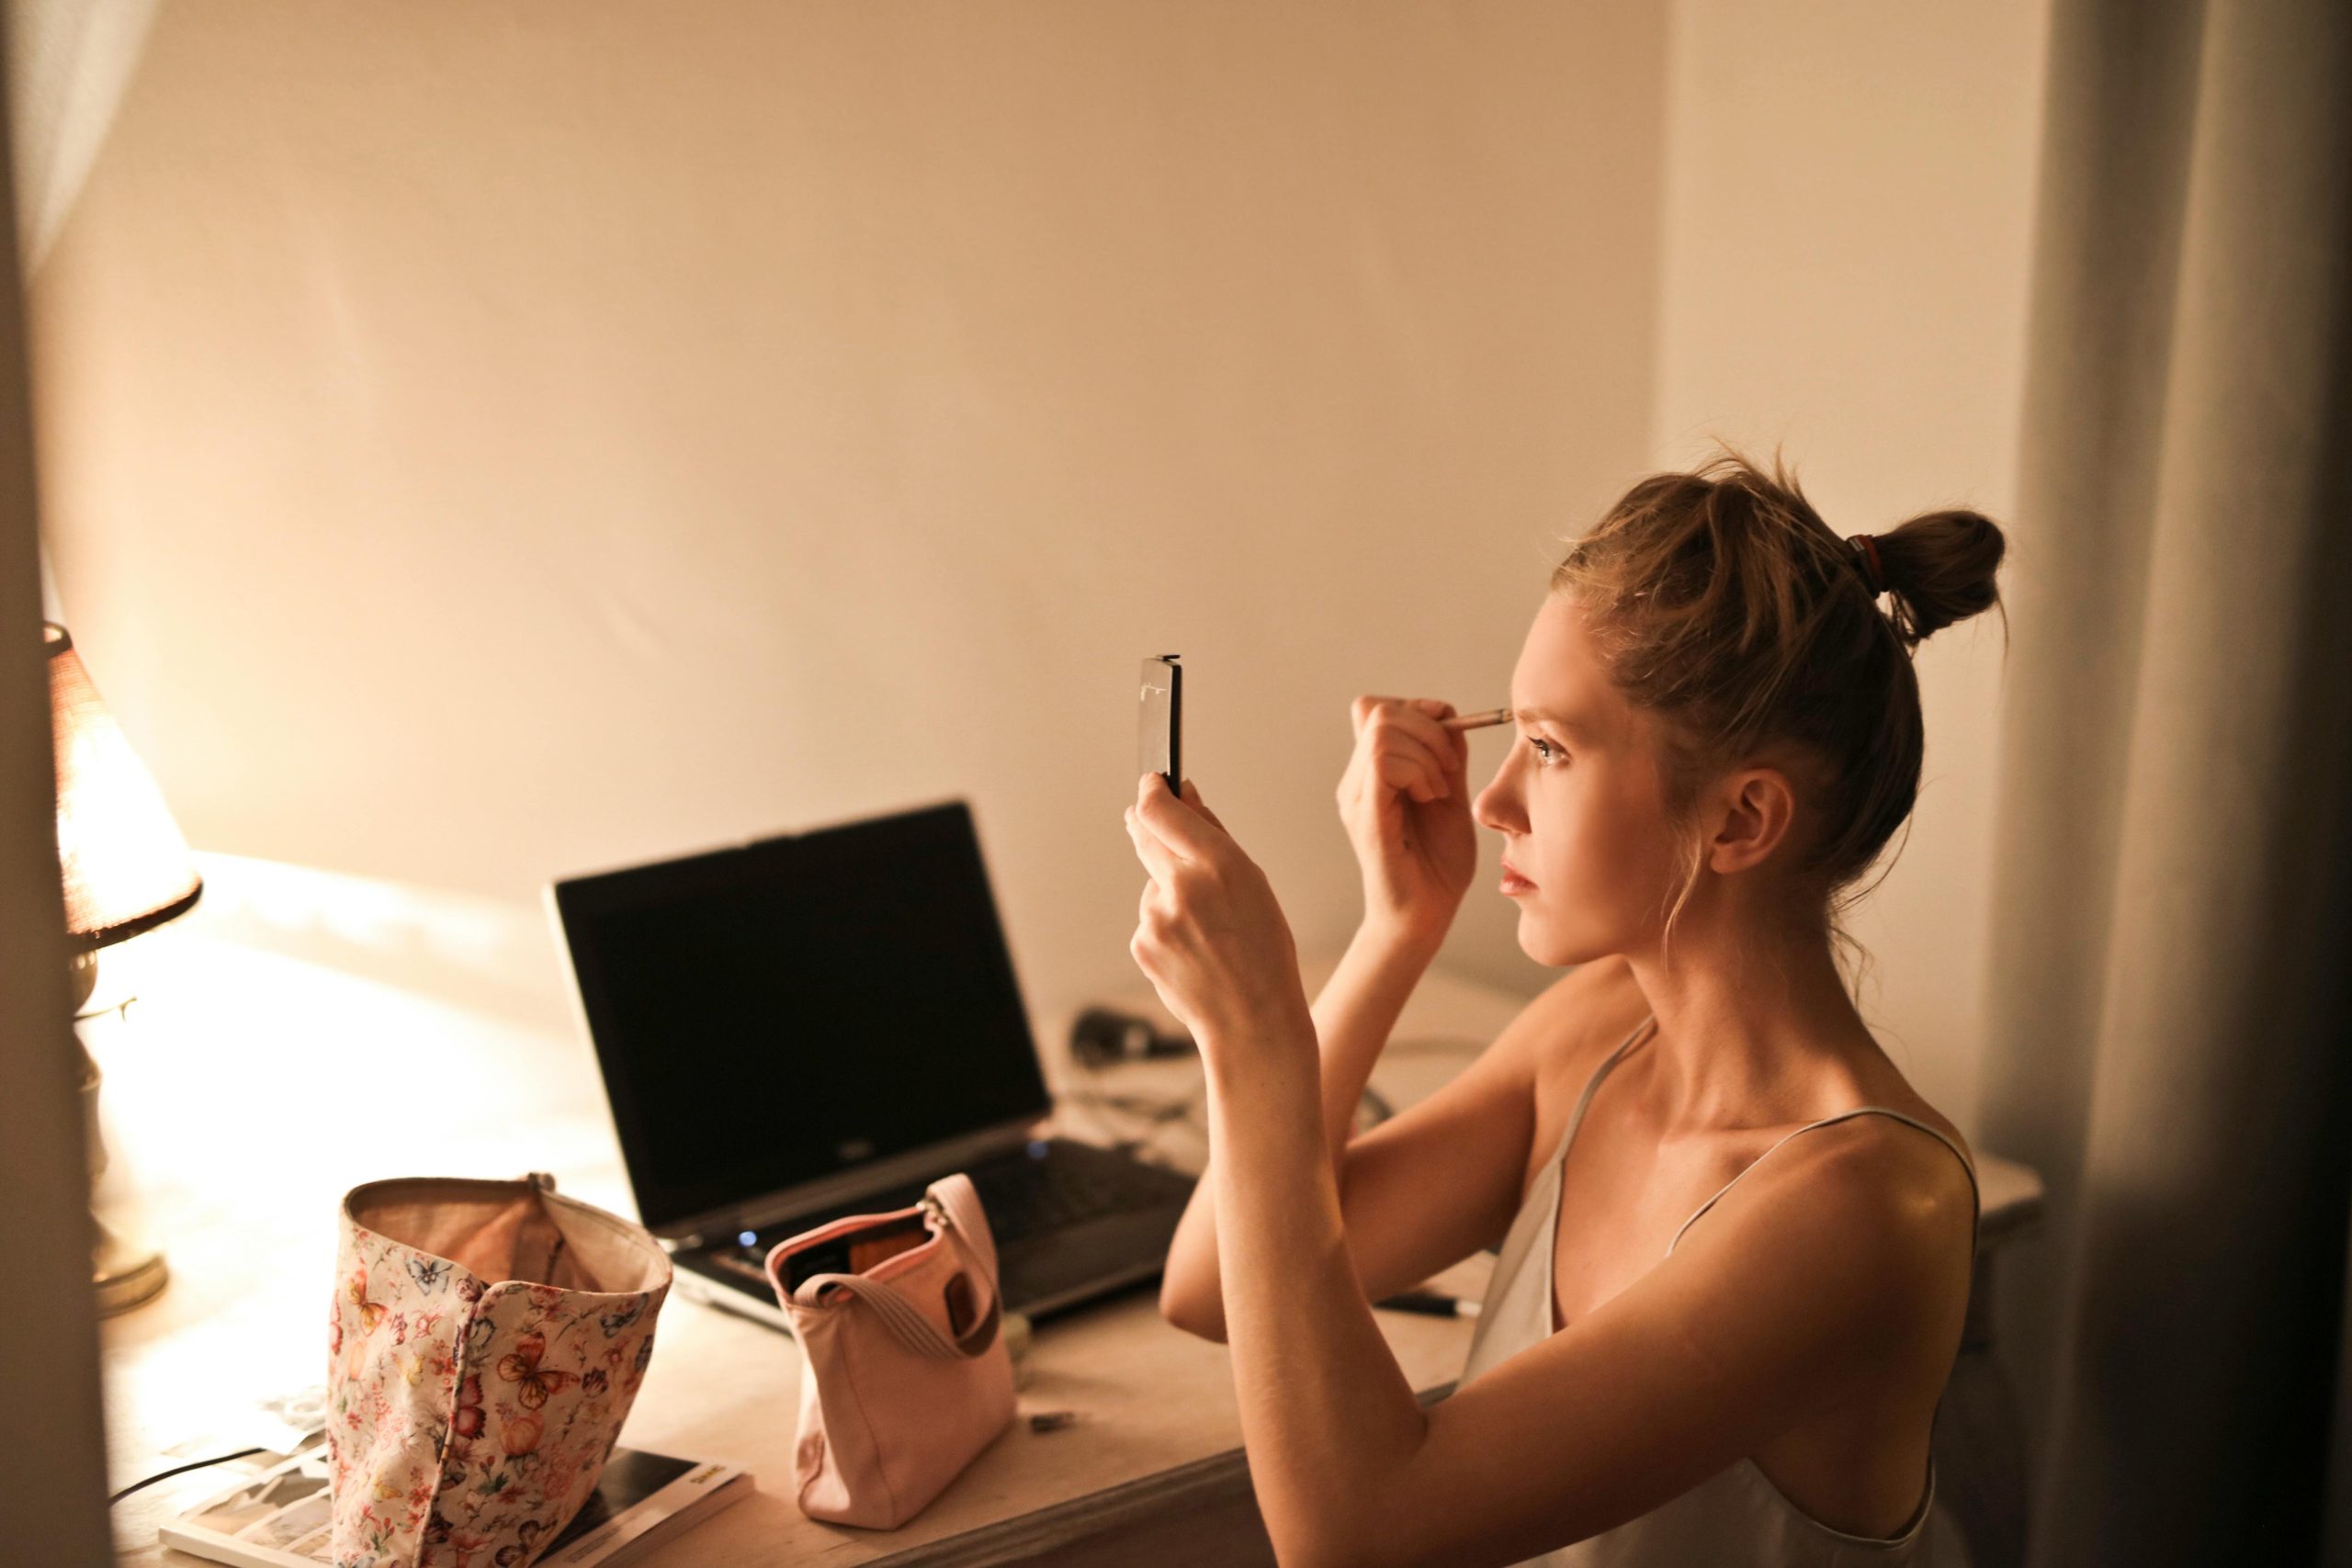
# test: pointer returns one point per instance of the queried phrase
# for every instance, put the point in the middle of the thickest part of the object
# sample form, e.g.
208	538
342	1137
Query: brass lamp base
124	1273
124	1270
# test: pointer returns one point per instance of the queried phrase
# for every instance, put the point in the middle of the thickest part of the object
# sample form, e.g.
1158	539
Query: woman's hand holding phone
1210	935
1405	800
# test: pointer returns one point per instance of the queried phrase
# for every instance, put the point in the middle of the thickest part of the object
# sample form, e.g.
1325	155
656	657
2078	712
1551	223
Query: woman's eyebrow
1567	727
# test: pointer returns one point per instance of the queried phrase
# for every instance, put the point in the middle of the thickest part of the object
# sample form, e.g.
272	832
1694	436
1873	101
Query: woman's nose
1497	807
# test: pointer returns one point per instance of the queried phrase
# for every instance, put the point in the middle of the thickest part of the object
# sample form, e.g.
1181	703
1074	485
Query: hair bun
1864	548
1938	567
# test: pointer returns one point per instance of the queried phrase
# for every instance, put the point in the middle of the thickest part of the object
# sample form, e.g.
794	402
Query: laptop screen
773	1014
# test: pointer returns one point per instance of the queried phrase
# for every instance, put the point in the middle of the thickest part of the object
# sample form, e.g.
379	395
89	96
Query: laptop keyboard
1025	1193
1023	1196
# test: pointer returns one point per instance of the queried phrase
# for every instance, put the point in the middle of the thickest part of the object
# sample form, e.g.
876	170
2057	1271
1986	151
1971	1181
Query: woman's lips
1514	883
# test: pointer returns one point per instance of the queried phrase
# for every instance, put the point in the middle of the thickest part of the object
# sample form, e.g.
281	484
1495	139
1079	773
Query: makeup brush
1476	720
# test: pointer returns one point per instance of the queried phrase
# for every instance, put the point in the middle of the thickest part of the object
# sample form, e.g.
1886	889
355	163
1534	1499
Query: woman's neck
1754	1027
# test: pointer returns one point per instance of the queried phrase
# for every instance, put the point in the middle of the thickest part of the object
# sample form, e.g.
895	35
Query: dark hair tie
1866	555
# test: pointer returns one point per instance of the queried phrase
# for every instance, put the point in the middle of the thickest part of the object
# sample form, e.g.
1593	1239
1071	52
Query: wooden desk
1151	1473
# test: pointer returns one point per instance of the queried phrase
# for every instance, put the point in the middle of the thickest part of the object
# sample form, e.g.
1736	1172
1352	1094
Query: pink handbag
905	1375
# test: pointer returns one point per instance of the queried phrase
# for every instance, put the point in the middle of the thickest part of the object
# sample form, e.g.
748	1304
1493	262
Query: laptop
822	1024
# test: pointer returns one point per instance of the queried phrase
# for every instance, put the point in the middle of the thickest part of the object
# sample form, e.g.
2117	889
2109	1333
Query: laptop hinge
928	1163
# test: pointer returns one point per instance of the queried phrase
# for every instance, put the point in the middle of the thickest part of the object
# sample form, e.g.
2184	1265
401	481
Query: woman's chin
1553	948
1537	940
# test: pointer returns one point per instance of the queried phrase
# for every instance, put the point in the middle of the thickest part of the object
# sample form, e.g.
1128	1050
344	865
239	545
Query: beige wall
1850	193
490	441
485	442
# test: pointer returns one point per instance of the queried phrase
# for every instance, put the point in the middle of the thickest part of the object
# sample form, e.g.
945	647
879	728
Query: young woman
1736	1246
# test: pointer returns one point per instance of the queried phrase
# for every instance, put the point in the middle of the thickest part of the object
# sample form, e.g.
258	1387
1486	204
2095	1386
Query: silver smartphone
1160	721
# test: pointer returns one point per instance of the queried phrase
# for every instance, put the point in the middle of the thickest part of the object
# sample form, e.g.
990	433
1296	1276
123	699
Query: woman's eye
1545	752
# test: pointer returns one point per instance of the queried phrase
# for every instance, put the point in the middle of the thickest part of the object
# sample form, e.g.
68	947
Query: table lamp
126	869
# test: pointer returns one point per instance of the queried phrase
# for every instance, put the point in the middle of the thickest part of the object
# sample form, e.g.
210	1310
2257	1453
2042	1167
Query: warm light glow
126	867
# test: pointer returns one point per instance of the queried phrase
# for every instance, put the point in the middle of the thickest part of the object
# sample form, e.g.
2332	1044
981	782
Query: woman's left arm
1800	1287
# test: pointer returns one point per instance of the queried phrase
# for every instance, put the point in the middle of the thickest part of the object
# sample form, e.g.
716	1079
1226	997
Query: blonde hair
1732	614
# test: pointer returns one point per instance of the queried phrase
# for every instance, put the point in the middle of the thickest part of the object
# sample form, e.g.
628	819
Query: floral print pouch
486	1342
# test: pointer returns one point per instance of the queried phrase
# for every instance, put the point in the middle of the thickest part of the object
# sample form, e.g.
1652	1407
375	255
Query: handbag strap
966	1228
906	1324
962	1200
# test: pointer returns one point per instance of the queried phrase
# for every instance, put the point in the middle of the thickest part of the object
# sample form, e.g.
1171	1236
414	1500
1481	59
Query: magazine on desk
278	1517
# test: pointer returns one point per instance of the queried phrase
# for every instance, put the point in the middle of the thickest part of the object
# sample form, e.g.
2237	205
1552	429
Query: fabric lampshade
126	867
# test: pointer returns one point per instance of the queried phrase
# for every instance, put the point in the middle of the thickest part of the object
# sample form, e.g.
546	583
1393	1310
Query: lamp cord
179	1470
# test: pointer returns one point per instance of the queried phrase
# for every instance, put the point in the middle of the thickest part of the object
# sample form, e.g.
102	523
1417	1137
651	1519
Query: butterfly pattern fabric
469	1418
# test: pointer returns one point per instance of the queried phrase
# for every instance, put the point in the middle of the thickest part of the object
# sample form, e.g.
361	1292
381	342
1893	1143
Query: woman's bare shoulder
1876	1185
1909	1174
1889	1090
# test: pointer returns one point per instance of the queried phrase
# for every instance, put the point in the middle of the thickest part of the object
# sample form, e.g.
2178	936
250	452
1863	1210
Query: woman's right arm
1405	803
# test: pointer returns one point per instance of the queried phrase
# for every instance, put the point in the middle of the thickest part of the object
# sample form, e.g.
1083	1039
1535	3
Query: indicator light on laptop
750	1238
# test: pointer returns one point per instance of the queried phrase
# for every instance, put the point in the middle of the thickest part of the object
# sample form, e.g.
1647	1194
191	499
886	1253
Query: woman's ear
1755	809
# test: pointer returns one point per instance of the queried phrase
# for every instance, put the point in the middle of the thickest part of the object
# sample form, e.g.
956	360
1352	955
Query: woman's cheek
1572	868
1576	915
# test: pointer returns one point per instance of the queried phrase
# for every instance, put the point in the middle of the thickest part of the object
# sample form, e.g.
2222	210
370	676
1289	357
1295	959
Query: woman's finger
1193	799
1413	723
1184	831
1402	718
1410	776
1456	741
1404	761
1359	712
1418	718
1397	742
1157	860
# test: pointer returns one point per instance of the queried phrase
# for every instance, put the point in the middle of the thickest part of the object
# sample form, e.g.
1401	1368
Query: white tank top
1735	1518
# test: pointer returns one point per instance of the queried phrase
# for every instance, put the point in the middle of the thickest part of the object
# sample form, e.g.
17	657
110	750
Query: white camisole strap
1977	1215
1576	1118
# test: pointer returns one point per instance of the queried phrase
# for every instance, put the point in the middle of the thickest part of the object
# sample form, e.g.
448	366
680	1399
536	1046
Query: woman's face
1577	802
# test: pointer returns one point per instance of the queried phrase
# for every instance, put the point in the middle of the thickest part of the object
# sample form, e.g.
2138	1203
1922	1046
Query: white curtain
2172	1001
